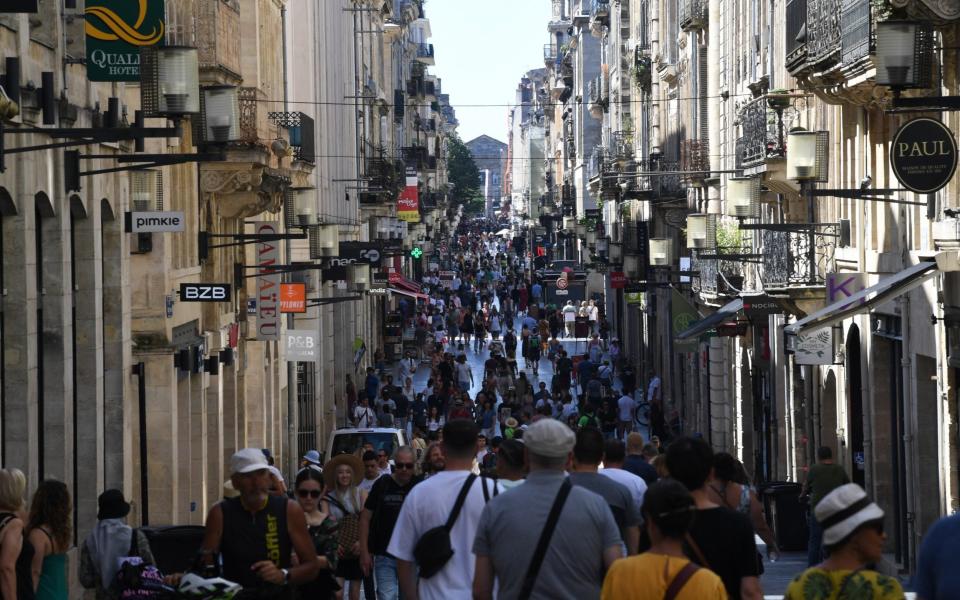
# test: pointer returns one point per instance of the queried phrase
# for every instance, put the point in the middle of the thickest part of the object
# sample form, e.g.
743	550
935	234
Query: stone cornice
944	9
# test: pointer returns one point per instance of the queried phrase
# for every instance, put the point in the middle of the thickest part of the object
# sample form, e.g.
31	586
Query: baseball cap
247	460
549	438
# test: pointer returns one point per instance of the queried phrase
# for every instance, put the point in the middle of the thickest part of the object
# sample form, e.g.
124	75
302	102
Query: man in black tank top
255	532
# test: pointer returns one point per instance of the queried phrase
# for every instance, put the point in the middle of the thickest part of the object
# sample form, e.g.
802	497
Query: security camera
866	183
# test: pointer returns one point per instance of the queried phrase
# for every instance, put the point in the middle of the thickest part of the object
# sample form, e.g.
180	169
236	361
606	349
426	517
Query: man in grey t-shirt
584	544
587	454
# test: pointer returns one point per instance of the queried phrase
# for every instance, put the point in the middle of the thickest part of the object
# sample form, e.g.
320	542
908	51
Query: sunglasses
401	465
312	493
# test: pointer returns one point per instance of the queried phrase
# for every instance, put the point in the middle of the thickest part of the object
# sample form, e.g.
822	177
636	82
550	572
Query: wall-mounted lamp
701	231
661	252
743	197
807	155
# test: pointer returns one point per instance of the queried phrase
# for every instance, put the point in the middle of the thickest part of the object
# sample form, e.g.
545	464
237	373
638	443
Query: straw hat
330	469
511	423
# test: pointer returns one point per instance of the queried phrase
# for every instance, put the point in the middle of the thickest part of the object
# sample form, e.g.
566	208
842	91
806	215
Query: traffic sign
562	282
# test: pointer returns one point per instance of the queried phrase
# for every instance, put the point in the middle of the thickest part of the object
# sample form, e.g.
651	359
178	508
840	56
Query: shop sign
293	298
683	315
204	292
301	345
268	283
635	288
923	155
618	280
153	221
394	277
634	297
843	285
379	279
115	32
408	204
355	253
18	6
561	292
760	307
813	348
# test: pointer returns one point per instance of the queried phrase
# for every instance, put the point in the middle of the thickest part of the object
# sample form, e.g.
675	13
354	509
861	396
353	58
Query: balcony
218	42
621	145
693	14
718	277
857	24
695	156
797	258
796	42
249	121
823	33
549	55
415	156
600	14
417	87
761	132
425	54
652	185
430	90
300	128
598	96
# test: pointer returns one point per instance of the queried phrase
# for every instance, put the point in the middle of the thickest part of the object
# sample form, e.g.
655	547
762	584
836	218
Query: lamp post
807	164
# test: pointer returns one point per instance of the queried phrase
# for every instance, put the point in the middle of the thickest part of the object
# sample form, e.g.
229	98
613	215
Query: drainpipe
714	9
292	416
911	465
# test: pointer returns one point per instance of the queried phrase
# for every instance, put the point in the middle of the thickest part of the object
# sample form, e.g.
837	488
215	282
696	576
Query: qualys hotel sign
923	155
115	32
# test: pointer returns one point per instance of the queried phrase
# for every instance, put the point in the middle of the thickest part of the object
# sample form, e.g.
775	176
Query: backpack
136	579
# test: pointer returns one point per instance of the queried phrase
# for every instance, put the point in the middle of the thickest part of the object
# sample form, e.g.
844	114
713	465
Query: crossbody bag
530	579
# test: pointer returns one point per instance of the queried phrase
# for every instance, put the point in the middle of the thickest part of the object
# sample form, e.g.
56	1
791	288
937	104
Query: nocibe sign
923	155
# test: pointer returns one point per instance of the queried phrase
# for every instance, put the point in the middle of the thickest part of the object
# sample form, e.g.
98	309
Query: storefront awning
702	326
862	301
405	284
403	292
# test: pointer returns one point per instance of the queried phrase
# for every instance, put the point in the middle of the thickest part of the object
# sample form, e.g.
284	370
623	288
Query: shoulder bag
680	579
433	549
540	553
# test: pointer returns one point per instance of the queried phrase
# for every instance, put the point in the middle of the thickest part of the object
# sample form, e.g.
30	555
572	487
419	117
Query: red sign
618	280
293	297
394	277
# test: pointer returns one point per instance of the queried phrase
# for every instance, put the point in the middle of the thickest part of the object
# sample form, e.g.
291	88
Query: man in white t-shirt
614	453
625	406
364	417
428	505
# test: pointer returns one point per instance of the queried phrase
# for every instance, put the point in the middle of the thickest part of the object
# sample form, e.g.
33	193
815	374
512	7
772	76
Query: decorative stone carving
945	9
227	181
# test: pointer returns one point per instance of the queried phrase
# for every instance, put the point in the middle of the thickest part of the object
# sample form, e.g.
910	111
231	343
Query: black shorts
349	569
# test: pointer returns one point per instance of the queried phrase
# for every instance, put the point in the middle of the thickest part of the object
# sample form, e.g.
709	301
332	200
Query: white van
349	440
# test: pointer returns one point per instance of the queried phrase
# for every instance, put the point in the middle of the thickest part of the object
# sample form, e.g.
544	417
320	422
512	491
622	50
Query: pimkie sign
923	155
115	31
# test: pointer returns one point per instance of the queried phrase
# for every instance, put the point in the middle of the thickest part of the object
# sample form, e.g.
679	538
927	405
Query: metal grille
796	28
149	91
761	134
823	32
857	30
399	106
247	100
313	237
306	408
787	257
693	14
289	208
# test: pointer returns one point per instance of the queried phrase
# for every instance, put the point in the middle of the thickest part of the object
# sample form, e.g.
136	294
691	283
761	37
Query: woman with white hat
342	474
853	537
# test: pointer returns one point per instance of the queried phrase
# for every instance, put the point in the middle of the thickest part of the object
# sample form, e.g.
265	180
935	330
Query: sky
482	49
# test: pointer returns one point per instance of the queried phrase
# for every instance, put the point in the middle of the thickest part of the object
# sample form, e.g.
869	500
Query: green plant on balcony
881	9
729	237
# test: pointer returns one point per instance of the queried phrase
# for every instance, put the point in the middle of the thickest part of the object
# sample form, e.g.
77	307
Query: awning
702	326
404	292
405	284
862	301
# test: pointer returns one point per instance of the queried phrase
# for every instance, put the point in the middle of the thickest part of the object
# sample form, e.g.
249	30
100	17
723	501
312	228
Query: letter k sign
843	285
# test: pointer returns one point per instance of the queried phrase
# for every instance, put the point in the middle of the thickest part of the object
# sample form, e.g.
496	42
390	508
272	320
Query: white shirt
626	404
636	485
367	484
593	313
365	417
653	388
463	372
427	506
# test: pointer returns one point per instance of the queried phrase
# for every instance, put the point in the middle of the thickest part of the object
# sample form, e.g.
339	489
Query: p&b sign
301	345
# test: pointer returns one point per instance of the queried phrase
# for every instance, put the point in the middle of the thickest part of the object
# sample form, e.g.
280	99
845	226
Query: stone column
198	448
165	452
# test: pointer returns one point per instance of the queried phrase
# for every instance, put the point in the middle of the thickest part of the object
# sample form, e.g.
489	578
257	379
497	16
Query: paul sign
923	155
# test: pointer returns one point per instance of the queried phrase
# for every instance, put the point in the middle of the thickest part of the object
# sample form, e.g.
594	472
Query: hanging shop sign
408	204
115	32
355	253
618	280
760	307
683	315
204	292
153	221
635	297
293	298
923	155
268	283
18	6
301	345
813	348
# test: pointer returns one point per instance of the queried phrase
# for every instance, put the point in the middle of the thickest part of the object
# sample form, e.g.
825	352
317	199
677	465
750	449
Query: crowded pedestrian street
490	300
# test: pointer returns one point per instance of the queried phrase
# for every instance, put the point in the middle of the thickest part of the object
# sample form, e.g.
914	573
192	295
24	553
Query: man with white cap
853	536
256	533
545	538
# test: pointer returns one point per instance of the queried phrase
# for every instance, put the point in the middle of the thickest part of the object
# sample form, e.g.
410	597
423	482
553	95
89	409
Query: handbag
348	531
433	549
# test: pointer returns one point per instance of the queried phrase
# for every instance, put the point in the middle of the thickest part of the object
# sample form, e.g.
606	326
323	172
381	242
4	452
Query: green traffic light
416	252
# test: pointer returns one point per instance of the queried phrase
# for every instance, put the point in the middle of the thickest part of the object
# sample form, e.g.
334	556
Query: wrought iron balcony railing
249	122
217	38
823	33
795	258
601	11
549	54
621	145
695	157
693	14
795	28
761	133
857	25
425	52
669	184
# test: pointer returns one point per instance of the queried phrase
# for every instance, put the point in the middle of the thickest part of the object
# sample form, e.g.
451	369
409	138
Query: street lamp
631	265
177	80
304	206
743	197
807	155
661	252
145	190
221	114
904	54
360	276
701	231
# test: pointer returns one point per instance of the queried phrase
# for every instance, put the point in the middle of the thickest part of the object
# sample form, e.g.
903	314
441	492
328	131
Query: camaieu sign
923	155
115	32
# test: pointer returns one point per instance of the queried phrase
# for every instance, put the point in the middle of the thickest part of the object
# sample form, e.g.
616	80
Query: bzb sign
923	155
204	292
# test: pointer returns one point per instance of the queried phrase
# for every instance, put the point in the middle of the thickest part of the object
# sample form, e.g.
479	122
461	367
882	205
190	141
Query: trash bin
174	547
785	514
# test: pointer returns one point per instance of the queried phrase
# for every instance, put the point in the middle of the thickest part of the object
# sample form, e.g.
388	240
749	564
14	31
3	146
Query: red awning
416	295
406	284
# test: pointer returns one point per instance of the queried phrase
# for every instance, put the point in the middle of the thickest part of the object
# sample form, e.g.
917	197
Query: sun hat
511	423
247	460
843	510
312	456
330	469
549	438
111	505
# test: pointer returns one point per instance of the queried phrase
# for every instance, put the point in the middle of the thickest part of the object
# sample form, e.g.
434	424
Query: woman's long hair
51	507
